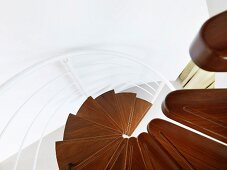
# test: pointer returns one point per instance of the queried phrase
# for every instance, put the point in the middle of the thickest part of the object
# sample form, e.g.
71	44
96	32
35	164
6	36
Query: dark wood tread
93	139
209	49
203	110
190	150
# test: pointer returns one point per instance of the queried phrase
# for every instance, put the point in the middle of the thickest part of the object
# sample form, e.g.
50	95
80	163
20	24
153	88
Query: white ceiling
158	32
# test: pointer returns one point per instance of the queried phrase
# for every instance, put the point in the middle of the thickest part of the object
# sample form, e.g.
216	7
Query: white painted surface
216	6
220	80
158	32
47	158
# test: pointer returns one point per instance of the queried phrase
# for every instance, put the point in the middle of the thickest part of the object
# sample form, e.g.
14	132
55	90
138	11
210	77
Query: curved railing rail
124	79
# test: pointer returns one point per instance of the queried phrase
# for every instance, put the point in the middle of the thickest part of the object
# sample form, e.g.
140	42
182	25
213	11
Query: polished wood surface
126	103
119	162
155	156
203	110
77	127
135	158
109	103
209	49
92	140
190	150
100	159
92	111
140	109
93	137
116	157
74	152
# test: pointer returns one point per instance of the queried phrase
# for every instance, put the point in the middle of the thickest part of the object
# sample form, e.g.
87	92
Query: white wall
158	32
220	80
216	6
47	156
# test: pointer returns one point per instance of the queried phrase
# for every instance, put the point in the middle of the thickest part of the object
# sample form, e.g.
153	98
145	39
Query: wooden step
100	159
209	49
135	158
190	150
76	128
140	110
93	138
92	111
74	152
109	103
118	161
126	103
203	110
155	156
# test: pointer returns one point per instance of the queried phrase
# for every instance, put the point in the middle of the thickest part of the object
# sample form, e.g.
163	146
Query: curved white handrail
37	115
127	66
116	55
78	53
35	118
27	100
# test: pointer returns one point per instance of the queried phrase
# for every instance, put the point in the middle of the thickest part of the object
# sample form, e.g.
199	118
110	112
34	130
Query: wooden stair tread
209	49
73	152
126	103
118	161
203	110
135	159
140	110
93	137
109	103
155	156
189	149
100	159
92	111
93	141
77	127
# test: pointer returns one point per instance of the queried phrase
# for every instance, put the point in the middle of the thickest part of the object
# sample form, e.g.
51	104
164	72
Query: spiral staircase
95	138
62	84
122	128
95	133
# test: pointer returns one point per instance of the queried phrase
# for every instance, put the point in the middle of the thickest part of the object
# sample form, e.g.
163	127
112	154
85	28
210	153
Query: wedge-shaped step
74	152
118	161
203	110
76	128
109	103
92	111
140	110
189	149
135	159
93	138
126	103
100	159
155	156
